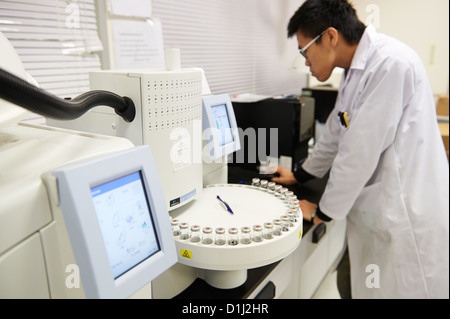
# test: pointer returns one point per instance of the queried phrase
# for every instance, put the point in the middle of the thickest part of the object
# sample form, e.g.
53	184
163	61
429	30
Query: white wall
423	25
241	44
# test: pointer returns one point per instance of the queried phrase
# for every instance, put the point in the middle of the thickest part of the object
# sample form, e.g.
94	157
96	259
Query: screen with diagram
125	222
222	123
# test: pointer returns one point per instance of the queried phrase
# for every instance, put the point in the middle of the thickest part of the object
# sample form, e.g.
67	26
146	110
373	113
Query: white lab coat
389	174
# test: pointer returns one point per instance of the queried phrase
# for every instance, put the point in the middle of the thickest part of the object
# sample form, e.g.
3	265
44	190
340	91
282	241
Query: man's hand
286	177
308	209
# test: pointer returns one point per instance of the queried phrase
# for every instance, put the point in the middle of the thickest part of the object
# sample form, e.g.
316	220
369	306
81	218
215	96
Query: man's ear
331	37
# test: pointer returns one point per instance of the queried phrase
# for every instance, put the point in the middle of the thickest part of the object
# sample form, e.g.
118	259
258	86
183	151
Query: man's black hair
315	16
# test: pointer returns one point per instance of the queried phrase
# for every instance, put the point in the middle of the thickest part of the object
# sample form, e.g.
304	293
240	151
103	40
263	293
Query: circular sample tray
251	206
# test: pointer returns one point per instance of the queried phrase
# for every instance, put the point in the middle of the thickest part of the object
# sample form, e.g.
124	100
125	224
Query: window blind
56	41
241	44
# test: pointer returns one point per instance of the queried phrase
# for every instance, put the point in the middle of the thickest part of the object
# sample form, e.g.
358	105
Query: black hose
17	91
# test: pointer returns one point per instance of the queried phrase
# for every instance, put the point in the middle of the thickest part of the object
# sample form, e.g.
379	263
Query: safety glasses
303	51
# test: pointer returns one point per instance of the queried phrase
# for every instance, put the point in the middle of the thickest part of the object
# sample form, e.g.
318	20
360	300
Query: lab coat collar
362	52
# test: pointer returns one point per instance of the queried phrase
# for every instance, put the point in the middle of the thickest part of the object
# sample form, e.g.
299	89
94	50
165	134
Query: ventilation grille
174	102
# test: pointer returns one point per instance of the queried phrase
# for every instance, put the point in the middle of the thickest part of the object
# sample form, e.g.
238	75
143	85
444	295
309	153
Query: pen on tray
226	205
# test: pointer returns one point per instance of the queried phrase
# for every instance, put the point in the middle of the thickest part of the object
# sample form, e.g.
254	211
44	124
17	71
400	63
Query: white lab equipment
36	255
219	126
168	118
32	227
35	228
220	137
232	207
116	218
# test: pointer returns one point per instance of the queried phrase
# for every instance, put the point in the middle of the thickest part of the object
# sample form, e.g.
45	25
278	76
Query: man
389	173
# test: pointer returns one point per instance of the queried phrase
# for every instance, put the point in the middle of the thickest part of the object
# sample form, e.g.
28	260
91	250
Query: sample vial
295	202
278	190
264	184
271	186
277	227
233	236
292	219
207	237
294	207
256	182
257	235
175	227
268	231
195	234
184	231
285	223
246	237
283	192
220	236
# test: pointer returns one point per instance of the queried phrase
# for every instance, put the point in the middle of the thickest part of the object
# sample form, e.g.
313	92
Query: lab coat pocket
367	212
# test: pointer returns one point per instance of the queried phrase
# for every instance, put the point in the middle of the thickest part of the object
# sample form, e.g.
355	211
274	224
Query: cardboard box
444	133
442	105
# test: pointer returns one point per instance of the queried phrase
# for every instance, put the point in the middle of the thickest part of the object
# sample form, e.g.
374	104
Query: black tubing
15	90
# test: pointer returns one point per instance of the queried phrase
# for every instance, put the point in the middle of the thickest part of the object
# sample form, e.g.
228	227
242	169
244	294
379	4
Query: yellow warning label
300	234
186	253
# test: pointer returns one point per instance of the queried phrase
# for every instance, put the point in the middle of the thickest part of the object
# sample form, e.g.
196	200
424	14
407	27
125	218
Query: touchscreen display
222	123
125	221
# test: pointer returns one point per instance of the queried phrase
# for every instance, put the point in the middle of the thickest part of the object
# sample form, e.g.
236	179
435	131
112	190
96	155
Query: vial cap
207	230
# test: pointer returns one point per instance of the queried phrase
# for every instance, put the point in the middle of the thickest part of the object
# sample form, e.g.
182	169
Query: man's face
319	57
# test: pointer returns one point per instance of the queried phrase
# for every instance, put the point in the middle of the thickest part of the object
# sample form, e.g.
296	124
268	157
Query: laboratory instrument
51	241
220	137
43	240
293	118
238	247
115	215
34	230
168	118
220	128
